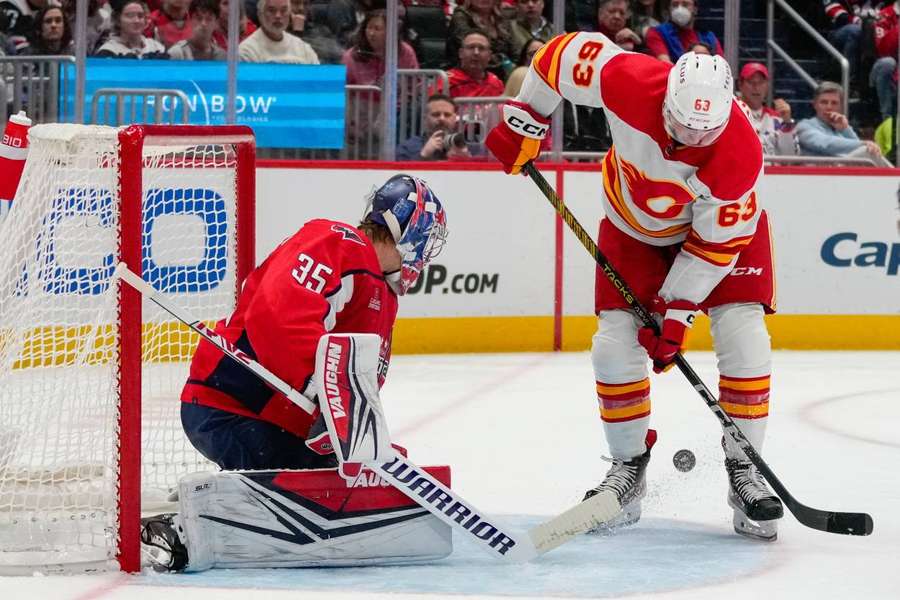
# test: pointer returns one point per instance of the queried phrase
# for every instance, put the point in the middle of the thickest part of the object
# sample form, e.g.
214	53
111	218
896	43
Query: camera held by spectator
455	140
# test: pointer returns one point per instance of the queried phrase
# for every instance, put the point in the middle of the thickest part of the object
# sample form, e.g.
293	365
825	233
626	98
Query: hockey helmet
417	222
698	99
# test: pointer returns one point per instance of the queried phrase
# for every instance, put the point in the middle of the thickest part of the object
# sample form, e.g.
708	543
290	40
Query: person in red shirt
673	38
170	24
329	277
471	77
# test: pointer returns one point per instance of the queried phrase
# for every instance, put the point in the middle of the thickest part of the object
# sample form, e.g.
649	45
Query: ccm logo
530	129
746	271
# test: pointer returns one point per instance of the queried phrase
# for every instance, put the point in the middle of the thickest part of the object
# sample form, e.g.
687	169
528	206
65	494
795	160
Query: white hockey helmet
698	99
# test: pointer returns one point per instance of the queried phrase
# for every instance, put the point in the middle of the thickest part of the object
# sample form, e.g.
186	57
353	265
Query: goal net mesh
59	333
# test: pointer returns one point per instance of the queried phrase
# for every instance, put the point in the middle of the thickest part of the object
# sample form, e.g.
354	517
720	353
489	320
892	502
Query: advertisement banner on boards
288	106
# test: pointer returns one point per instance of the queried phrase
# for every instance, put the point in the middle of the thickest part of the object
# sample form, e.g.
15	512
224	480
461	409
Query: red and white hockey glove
517	138
678	319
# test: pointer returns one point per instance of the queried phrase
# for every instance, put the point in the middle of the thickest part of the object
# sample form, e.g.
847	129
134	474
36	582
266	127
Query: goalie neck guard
416	220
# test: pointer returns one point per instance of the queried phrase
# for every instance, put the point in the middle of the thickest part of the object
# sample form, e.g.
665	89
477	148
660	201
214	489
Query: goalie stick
848	523
487	532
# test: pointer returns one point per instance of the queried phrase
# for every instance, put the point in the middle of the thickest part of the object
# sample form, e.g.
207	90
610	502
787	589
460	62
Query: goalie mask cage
90	375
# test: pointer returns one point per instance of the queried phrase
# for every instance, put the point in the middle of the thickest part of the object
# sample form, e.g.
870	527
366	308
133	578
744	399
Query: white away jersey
654	189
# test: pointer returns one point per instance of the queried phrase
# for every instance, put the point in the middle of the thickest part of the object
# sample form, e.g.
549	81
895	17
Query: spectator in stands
247	27
515	79
17	20
441	139
204	16
845	20
828	133
471	77
774	126
365	60
315	34
344	17
52	34
99	23
668	41
612	18
269	43
485	17
581	15
701	48
129	19
646	14
529	25
883	76
170	24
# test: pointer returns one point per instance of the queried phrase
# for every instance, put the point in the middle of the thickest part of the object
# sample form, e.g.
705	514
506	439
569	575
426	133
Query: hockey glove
679	316
517	138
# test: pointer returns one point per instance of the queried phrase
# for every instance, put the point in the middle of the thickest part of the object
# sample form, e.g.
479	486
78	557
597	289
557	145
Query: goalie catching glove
516	140
678	317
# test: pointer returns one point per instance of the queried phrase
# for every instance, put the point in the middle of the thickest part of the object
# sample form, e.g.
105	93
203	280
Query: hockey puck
684	460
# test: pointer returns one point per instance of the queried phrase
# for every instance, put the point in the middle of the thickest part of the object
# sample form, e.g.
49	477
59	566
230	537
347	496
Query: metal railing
773	47
39	85
478	115
119	106
362	123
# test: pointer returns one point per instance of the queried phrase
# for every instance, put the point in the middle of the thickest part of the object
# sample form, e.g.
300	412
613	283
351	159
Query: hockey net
90	375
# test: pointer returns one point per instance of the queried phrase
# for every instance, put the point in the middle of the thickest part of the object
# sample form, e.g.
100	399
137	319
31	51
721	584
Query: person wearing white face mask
676	36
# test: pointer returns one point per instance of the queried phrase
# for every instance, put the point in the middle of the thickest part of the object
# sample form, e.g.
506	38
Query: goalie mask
417	222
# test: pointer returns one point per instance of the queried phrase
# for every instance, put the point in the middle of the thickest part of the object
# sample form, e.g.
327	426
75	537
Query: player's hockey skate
626	478
161	542
756	508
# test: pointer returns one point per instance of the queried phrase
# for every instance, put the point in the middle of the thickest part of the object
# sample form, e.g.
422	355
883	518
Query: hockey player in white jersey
684	228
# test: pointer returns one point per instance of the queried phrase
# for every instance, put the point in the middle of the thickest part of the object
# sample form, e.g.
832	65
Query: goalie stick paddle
848	523
487	532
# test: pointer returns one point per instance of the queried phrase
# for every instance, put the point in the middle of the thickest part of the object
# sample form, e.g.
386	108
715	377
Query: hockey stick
848	523
426	491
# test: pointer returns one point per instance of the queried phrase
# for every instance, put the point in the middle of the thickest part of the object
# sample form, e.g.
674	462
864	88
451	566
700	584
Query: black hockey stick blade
846	523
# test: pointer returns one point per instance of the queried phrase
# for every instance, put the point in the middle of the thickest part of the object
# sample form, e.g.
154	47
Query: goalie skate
756	509
627	480
161	542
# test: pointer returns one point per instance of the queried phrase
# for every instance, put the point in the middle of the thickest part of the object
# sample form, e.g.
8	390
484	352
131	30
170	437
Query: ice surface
523	436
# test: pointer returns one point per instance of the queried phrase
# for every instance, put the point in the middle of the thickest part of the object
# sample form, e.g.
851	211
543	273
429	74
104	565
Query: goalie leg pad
267	519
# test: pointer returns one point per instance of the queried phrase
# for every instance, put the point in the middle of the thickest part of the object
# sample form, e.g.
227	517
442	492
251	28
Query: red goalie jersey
655	190
325	278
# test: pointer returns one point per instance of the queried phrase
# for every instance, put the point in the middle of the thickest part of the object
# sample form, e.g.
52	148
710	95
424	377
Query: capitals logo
348	234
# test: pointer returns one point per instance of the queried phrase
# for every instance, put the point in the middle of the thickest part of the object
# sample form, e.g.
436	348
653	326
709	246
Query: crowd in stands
486	51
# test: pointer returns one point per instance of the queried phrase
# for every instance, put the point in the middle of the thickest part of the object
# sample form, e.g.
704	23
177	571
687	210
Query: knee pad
741	340
615	352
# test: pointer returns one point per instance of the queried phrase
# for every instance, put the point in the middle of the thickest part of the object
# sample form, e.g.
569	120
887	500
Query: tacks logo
842	250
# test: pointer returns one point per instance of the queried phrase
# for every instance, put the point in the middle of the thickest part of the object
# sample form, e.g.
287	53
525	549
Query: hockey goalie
319	314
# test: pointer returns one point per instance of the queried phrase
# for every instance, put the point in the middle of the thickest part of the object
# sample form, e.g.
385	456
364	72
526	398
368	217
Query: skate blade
766	531
629	515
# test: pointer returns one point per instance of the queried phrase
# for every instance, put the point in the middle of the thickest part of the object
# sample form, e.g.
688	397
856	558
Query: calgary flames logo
661	198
